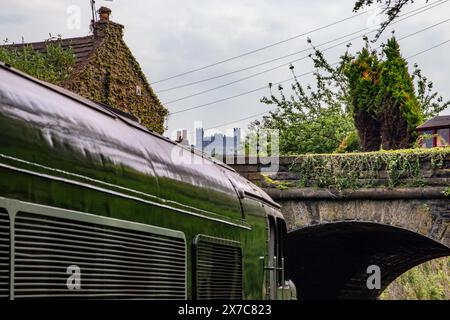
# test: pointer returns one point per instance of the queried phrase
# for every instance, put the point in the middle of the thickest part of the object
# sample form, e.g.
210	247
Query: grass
428	281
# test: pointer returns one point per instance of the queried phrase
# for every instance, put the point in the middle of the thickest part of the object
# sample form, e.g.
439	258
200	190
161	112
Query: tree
384	103
363	84
372	91
311	120
386	106
400	111
430	101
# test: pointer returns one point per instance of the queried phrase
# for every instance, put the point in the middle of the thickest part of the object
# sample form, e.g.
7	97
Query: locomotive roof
109	110
246	186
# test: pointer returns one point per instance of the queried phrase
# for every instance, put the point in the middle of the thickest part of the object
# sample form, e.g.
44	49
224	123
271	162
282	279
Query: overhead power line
289	63
429	49
242	119
263	48
265	112
304	74
409	14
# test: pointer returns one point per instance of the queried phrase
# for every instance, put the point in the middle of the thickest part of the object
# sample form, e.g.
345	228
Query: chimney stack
104	26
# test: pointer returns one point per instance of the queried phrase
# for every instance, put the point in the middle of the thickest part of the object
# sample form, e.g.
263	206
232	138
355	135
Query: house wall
440	137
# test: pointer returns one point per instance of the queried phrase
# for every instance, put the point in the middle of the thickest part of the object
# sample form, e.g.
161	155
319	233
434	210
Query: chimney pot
104	13
104	26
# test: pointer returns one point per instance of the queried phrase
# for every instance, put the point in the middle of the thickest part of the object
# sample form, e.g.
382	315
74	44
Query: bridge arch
330	260
397	218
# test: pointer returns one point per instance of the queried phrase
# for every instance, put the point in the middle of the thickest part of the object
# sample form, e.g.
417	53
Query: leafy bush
350	143
428	281
53	66
313	119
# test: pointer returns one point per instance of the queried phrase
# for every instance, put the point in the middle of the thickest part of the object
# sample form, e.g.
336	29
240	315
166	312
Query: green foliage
362	170
400	111
446	192
281	185
431	102
311	120
428	281
384	103
373	92
350	143
363	82
111	77
54	66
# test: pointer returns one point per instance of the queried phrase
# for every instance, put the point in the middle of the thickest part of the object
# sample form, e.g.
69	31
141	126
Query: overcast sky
169	37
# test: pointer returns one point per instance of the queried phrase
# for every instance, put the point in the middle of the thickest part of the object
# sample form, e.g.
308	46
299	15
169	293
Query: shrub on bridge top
369	169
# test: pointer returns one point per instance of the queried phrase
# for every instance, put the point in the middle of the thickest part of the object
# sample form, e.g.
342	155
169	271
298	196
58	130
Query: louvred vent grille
4	254
218	269
62	258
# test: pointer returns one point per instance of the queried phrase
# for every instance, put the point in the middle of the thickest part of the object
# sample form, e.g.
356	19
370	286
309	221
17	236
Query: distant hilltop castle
218	144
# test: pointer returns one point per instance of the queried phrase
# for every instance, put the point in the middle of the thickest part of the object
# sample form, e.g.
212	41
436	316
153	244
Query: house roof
87	48
436	122
82	47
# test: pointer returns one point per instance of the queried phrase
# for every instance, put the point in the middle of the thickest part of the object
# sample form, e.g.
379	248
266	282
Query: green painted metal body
59	150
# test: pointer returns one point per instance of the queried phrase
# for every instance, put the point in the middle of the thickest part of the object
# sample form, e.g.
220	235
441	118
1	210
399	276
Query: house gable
105	71
113	76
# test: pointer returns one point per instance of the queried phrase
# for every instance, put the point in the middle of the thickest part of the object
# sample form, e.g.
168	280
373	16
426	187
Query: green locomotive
93	205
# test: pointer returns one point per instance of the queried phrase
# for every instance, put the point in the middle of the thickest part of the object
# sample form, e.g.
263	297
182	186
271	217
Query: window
428	139
443	137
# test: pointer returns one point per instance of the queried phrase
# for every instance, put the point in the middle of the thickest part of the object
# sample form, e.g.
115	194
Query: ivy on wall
111	77
362	170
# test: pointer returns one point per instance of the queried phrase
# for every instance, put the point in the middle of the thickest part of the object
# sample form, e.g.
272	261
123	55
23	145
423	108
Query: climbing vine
111	77
281	185
446	192
371	169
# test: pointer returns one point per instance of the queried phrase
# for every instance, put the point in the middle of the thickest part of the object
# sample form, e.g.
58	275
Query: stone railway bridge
335	235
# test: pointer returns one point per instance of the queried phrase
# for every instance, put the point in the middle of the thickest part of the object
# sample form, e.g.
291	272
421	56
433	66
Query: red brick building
438	130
